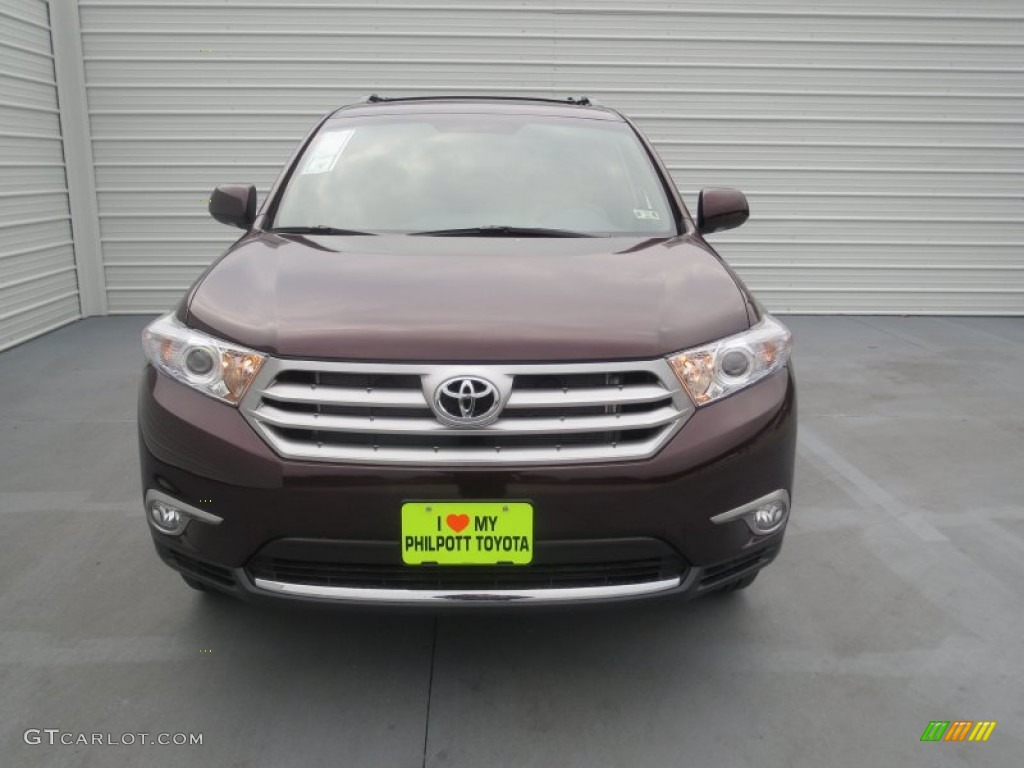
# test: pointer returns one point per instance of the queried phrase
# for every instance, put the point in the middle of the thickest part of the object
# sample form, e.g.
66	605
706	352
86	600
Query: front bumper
204	453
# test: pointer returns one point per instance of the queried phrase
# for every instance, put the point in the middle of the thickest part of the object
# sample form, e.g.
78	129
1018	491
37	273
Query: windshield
437	174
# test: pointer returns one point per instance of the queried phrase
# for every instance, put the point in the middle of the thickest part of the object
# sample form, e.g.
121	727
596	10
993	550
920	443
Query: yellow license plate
467	532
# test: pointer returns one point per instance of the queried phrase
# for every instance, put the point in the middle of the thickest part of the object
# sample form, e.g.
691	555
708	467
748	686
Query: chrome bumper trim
474	597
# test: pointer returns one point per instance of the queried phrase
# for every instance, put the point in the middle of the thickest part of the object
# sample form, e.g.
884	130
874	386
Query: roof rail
582	101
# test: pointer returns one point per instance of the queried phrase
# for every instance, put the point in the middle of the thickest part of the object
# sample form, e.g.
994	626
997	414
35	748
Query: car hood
402	298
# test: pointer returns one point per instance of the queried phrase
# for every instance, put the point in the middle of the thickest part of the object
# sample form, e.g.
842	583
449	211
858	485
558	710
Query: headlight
723	367
214	367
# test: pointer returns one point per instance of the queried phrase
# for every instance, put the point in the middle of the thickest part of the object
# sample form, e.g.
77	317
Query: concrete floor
896	600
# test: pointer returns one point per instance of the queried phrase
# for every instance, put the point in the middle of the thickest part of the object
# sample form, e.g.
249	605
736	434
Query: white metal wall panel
38	283
881	143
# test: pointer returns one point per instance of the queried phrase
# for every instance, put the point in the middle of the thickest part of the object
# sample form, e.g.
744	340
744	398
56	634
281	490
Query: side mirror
234	204
721	208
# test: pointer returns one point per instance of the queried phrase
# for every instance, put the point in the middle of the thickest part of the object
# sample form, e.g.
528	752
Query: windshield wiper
319	229
501	230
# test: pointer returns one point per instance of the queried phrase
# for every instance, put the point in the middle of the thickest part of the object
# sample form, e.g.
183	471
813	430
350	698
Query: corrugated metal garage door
38	282
881	143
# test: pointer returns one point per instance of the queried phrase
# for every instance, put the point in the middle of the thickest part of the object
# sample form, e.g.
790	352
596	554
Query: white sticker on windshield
646	214
326	151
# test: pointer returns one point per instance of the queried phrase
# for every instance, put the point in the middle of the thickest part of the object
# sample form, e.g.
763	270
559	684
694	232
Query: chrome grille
382	414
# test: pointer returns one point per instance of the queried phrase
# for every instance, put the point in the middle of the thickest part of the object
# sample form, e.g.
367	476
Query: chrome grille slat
326	395
508	425
301	449
557	398
383	414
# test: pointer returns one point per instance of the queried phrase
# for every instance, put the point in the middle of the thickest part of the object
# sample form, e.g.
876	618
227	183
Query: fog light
768	517
170	516
167	518
763	516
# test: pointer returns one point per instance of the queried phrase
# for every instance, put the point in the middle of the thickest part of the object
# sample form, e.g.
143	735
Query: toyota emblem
466	400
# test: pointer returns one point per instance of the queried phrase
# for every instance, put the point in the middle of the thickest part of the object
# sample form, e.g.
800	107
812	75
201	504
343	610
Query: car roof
571	107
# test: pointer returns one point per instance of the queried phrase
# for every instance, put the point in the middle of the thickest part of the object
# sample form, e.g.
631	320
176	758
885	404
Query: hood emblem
463	401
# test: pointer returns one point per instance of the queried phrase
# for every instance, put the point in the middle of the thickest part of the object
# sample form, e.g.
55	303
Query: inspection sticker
327	150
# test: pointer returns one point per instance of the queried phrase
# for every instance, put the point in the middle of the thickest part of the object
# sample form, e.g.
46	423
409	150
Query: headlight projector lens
199	362
735	363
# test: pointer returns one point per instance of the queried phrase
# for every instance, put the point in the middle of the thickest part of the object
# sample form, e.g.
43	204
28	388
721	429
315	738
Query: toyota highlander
469	351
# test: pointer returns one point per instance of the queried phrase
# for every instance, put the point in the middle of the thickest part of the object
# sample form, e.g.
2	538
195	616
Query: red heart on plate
457	522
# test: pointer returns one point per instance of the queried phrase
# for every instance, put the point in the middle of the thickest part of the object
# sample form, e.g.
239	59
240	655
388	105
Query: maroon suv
472	351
